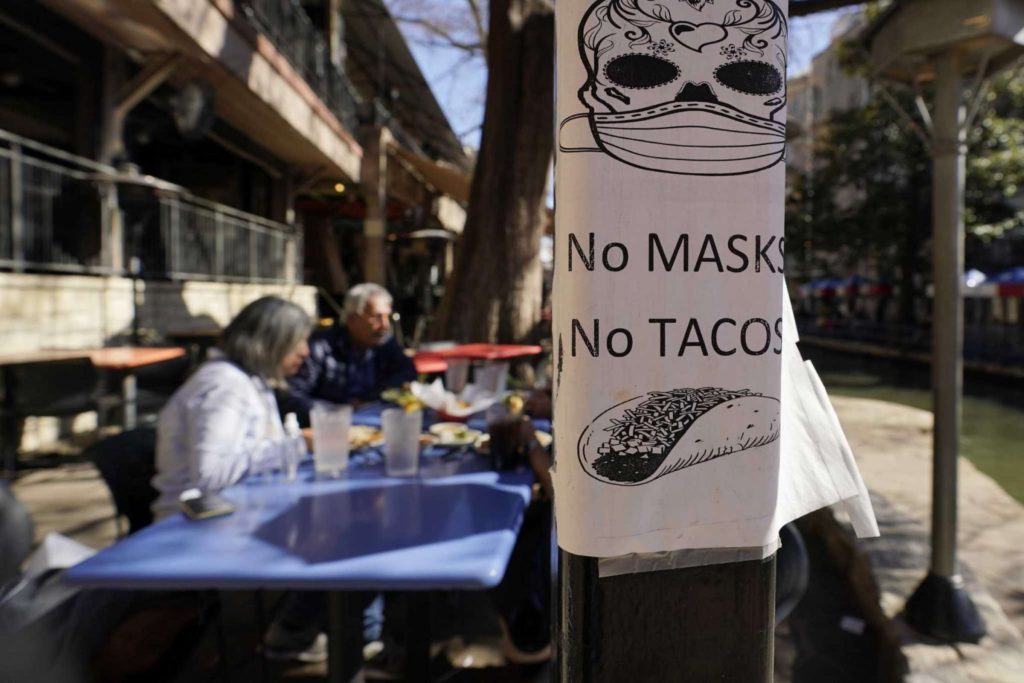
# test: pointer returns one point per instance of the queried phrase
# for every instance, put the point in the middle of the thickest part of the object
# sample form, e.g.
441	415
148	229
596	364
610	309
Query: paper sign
668	273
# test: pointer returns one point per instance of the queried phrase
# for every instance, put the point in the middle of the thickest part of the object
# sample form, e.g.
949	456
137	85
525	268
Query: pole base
940	608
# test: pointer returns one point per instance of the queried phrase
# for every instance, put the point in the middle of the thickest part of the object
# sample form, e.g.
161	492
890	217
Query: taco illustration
647	437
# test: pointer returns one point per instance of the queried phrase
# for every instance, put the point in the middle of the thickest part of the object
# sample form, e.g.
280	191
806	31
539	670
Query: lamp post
946	42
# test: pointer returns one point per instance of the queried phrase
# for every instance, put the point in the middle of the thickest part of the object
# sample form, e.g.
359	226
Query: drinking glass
492	376
330	437
456	375
401	441
510	436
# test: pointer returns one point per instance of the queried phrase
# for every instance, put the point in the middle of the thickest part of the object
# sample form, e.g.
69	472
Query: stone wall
71	312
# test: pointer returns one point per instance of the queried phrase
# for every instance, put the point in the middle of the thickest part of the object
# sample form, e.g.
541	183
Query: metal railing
64	213
208	241
50	209
292	32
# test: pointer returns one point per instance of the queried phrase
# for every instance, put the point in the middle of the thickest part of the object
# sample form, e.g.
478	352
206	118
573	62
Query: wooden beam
145	82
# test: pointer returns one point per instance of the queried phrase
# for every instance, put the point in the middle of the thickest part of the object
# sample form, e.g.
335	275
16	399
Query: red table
428	362
487	351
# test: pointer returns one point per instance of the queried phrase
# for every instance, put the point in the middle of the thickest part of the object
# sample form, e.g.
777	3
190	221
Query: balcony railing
292	32
50	213
208	241
57	214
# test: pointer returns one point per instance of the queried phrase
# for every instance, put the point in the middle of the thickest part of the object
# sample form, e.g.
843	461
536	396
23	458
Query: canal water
993	410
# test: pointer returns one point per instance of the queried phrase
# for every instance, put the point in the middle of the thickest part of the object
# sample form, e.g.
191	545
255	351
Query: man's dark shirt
337	371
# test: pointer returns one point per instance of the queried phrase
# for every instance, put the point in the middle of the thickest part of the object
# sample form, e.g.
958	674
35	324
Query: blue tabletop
451	527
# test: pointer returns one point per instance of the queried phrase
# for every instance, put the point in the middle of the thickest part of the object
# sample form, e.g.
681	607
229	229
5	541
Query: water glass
401	441
330	437
456	375
493	376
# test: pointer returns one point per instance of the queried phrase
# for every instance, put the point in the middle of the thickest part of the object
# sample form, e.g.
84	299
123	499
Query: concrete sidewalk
892	444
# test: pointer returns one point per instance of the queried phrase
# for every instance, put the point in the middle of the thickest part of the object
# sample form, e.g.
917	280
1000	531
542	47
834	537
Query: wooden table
119	360
124	361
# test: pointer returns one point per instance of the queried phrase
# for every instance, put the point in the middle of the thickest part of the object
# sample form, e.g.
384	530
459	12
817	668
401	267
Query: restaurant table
428	362
451	527
486	351
198	341
121	361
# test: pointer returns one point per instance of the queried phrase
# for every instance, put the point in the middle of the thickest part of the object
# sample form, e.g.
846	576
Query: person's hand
538	404
540	463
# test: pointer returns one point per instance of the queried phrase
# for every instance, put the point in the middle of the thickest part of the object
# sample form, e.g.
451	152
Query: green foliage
995	162
869	197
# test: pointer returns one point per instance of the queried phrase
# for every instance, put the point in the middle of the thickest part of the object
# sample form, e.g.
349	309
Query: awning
446	178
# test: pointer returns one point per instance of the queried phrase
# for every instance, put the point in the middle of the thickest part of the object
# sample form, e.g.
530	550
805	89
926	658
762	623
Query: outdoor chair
61	388
16	533
127	463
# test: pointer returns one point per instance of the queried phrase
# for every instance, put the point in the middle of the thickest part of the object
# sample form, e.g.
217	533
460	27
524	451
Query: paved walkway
892	444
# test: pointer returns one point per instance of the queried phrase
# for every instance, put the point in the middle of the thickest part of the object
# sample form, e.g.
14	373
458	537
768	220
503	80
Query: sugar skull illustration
692	87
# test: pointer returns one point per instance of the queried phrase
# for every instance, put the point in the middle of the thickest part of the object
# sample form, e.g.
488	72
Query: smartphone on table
197	504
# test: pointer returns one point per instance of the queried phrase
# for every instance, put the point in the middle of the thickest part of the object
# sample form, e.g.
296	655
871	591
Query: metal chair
16	534
127	463
793	571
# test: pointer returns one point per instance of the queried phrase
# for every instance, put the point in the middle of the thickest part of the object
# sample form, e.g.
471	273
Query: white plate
453	434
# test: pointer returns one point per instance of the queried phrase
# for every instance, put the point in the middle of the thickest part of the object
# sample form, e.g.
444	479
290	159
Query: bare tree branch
478	21
449	38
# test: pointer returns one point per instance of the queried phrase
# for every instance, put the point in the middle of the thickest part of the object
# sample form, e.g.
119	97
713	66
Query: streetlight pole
940	606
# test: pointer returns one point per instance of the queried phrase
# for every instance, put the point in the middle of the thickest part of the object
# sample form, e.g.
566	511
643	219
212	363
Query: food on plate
514	403
453	434
360	436
403	397
661	432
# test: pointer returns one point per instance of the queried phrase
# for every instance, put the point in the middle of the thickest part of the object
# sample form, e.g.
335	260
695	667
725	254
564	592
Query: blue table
451	527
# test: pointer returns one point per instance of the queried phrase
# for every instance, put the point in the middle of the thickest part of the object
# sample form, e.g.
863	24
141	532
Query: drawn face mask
697	89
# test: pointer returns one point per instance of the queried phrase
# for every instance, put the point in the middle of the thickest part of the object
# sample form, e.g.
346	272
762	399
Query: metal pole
699	624
17	209
940	607
947	326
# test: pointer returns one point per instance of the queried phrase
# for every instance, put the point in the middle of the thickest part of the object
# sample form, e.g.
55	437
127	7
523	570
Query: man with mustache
354	361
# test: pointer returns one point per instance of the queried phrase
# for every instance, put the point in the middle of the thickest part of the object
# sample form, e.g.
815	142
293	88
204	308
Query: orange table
122	360
132	357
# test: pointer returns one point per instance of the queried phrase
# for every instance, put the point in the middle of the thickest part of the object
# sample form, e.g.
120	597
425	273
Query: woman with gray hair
223	423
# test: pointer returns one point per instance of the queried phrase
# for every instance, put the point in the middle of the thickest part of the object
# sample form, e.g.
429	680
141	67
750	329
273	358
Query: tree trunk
494	293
